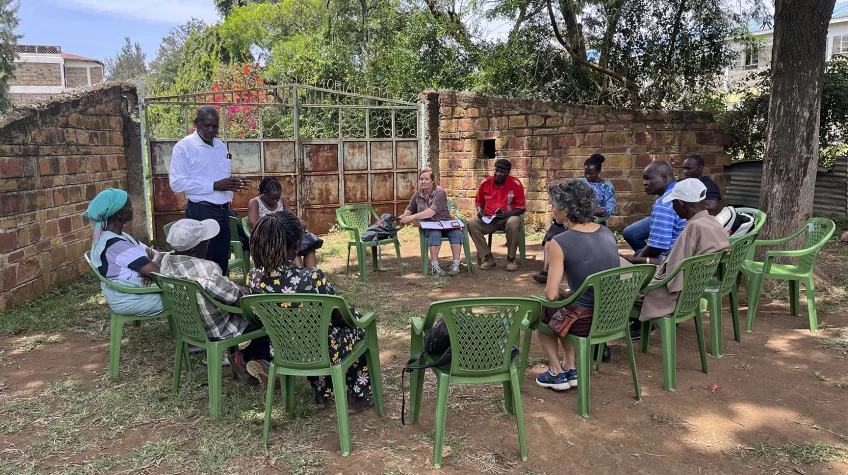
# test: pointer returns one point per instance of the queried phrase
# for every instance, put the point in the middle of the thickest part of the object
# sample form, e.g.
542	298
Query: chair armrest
417	325
365	321
153	289
662	282
525	323
771	255
352	229
555	303
776	242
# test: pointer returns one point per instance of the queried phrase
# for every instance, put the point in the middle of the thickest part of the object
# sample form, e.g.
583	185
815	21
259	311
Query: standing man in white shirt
200	168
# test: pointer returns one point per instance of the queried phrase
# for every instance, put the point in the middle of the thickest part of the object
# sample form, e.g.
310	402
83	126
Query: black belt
212	205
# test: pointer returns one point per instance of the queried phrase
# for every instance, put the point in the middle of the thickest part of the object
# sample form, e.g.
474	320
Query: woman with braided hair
273	246
271	200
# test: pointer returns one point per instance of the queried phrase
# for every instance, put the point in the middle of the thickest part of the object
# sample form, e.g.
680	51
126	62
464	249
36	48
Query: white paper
451	224
487	219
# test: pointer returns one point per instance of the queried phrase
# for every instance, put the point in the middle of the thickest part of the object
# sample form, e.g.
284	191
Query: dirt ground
781	402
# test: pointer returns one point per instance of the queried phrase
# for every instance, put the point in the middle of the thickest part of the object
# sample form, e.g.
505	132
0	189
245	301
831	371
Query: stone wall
549	141
75	77
96	75
37	74
54	158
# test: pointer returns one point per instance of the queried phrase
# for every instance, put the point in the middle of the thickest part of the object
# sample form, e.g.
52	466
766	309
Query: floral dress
606	196
341	339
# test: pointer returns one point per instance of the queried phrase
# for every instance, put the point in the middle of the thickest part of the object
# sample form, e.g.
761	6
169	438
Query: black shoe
541	277
605	358
636	330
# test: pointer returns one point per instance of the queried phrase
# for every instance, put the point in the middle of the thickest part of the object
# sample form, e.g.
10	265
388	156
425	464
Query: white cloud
160	11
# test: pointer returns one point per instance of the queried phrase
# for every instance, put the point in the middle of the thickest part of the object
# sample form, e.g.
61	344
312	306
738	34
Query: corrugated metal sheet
831	196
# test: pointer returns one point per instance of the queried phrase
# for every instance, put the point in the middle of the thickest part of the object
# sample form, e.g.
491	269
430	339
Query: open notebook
450	224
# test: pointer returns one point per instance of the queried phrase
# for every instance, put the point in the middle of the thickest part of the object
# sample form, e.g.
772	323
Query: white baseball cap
186	234
690	190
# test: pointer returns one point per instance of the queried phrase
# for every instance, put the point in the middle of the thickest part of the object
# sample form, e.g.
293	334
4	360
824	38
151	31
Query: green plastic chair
355	219
615	293
698	271
482	332
759	221
299	336
117	322
727	284
180	298
241	259
425	268
245	224
522	243
818	231
602	219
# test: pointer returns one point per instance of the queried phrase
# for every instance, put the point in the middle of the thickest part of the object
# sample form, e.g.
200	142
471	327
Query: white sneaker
225	362
436	270
454	269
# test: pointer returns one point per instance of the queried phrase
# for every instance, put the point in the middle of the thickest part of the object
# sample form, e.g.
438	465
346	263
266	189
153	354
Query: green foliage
165	67
128	64
747	122
8	40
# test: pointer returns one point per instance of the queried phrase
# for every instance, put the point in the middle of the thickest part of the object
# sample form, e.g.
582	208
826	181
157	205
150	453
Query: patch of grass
72	306
839	343
32	342
807	453
668	420
838	383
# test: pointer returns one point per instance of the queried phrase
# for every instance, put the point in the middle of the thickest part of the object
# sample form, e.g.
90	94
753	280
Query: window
840	46
487	148
751	58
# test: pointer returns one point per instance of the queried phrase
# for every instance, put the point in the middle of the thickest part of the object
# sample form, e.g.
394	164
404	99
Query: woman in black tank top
584	249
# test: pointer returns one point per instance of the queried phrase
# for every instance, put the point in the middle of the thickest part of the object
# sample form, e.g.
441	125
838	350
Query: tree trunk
792	140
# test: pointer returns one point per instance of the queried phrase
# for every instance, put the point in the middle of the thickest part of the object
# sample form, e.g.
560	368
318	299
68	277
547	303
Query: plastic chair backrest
298	325
698	271
111	284
735	257
167	228
235	224
483	331
356	216
819	230
759	221
179	296
615	292
454	208
246	225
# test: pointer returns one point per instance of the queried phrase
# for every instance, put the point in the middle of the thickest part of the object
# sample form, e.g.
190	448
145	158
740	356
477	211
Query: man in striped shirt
665	225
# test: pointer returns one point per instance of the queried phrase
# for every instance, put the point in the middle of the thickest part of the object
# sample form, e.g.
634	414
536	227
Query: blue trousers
637	234
219	246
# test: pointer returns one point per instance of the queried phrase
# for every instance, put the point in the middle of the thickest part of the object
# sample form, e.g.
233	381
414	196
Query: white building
753	60
42	71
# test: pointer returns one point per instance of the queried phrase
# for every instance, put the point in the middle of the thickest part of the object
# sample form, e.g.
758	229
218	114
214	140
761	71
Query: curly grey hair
576	198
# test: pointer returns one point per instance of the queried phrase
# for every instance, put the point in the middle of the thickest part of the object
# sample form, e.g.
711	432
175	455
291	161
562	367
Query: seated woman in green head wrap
120	258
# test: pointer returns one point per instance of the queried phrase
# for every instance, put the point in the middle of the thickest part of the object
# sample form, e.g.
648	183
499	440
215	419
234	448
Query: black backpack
384	228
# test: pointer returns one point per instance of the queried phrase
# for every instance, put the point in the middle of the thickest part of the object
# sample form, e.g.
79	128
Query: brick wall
548	141
54	158
37	74
22	99
75	77
96	75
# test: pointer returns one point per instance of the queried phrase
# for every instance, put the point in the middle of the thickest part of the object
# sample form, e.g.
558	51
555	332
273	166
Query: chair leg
755	283
416	388
289	382
599	354
633	367
525	355
519	412
584	370
374	263
467	248
400	263
361	258
269	402
702	344
424	255
215	369
115	334
178	361
645	336
734	311
443	383
507	390
347	262
669	352
522	249
340	391
714	306
372	358
794	298
810	289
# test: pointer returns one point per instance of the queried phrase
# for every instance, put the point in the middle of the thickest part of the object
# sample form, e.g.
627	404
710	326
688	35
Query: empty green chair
298	325
522	243
180	298
698	271
355	219
482	333
818	231
466	245
727	284
615	293
118	321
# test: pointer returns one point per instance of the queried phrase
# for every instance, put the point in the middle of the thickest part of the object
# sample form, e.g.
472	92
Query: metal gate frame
398	122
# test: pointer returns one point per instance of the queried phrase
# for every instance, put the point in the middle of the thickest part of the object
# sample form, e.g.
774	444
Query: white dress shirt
196	166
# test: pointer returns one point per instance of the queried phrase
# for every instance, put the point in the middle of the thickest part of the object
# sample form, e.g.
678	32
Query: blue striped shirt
665	224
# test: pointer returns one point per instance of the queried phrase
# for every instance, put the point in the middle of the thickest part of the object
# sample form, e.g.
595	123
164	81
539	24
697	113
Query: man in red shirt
500	202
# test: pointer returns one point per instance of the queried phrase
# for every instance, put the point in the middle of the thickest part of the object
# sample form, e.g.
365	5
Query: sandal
358	407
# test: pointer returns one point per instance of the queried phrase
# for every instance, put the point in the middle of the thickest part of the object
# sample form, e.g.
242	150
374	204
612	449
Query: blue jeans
637	234
434	236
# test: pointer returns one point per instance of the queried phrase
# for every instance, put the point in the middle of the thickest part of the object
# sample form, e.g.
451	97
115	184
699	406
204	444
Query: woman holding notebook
430	203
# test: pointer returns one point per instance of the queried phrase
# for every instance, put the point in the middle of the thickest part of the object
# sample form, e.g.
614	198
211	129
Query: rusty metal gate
328	148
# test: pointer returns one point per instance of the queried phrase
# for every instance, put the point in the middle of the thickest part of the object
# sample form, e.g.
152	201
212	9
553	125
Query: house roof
78	57
840	12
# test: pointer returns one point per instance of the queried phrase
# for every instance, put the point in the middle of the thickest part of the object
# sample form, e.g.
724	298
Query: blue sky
96	28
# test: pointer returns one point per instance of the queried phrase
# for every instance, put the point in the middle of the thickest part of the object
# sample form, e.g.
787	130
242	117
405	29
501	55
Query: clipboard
442	225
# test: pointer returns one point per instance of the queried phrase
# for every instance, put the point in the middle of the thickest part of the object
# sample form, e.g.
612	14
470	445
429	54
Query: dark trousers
219	246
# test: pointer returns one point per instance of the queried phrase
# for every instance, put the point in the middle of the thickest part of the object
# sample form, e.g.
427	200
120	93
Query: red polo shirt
508	197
